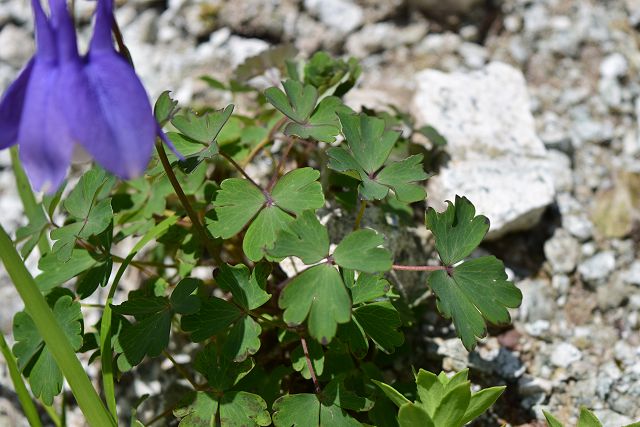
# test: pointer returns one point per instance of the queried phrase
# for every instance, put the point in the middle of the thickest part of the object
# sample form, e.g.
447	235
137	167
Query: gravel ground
539	101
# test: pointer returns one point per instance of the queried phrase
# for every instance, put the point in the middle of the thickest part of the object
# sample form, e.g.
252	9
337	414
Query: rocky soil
539	101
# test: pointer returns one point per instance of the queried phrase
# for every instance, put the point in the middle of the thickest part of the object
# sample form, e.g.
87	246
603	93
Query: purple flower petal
11	107
45	38
108	113
64	30
101	39
44	140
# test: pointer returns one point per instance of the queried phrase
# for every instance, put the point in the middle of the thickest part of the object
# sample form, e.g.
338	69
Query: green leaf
453	405
55	273
551	420
219	370
236	409
402	177
318	293
296	102
305	410
239	408
360	250
331	75
202	128
248	289
89	280
412	415
393	394
164	108
380	321
475	291
262	232
183	300
323	125
150	335
199	409
433	135
588	419
215	316
368	287
243	339
457	231
298	191
430	390
304	238
481	401
34	358
369	142
237	201
299	361
352	334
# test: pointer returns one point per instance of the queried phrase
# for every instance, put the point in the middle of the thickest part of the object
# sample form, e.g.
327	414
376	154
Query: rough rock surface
497	160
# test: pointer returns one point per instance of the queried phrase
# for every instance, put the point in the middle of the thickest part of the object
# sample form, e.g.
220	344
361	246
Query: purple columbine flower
61	99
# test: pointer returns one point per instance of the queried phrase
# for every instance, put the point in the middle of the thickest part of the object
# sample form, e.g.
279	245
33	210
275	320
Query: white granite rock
497	160
340	15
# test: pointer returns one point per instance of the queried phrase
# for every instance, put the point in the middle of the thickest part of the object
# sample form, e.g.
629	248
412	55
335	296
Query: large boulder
496	158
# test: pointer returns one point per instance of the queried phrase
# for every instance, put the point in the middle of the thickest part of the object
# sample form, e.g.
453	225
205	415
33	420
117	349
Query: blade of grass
92	407
24	397
31	207
105	327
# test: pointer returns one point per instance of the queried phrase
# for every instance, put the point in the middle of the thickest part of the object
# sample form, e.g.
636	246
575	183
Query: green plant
303	349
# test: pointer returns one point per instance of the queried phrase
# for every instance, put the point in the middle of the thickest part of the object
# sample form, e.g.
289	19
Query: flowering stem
363	206
280	165
265	141
420	267
54	337
195	219
239	168
24	397
312	372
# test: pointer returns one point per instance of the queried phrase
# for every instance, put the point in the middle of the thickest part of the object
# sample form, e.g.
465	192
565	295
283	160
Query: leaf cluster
205	242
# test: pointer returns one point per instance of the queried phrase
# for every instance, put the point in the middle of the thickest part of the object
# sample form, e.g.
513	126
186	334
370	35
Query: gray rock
340	15
272	18
383	36
537	301
632	274
17	45
494	150
565	354
562	252
614	66
490	358
574	218
598	267
610	418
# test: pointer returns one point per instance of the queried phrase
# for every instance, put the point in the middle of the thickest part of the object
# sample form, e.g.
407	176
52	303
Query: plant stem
265	141
195	219
54	337
363	206
420	267
312	372
181	370
280	166
24	397
31	207
239	168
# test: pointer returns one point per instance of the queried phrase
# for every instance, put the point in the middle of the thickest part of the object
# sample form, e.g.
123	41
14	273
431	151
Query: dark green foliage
287	323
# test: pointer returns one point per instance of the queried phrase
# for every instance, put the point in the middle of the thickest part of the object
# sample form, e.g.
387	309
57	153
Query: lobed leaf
476	291
318	293
457	231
